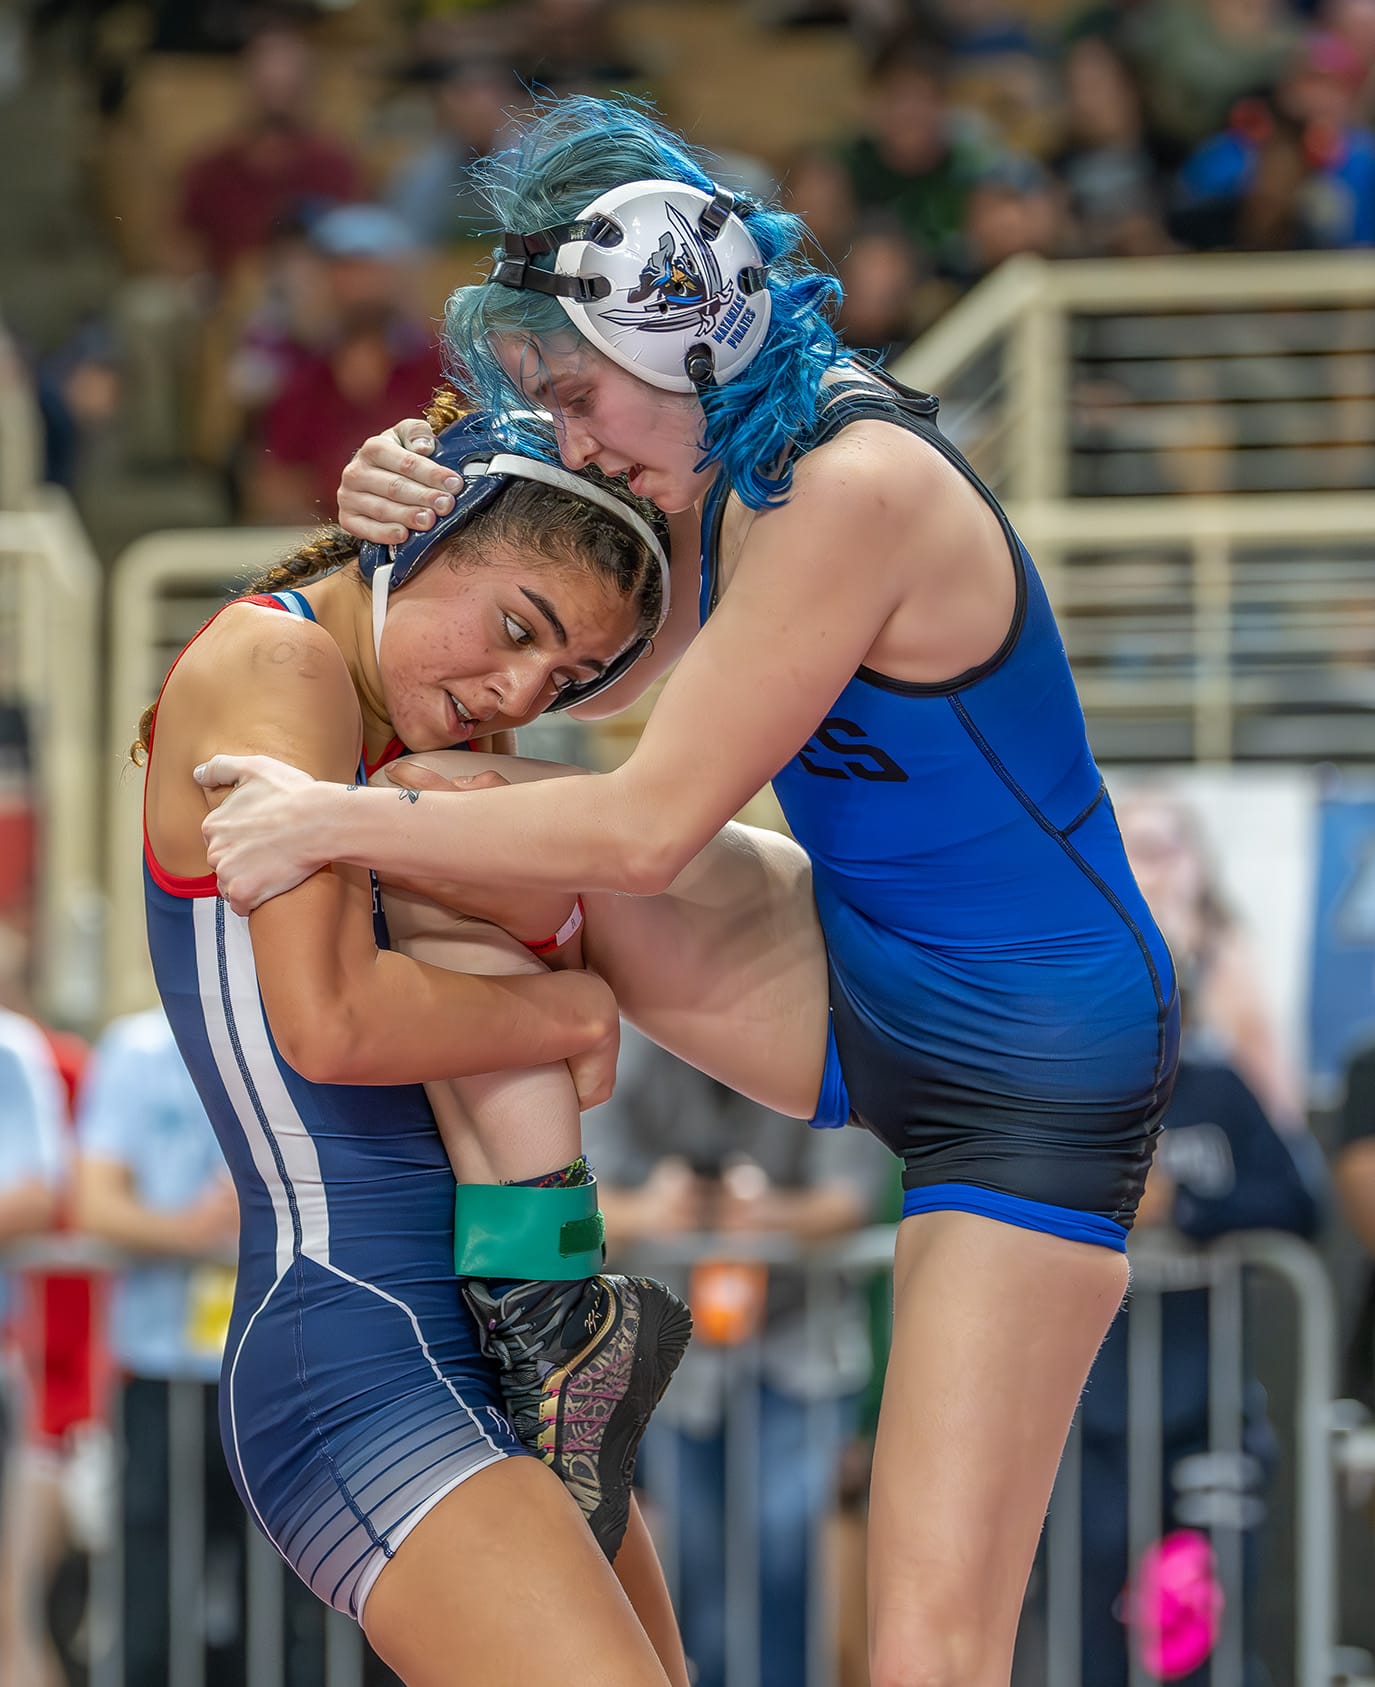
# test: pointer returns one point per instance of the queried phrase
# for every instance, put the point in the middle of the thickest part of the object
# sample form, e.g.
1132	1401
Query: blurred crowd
756	1466
230	241
259	209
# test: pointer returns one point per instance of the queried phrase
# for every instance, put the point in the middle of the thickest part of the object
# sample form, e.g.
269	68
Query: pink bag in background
1174	1610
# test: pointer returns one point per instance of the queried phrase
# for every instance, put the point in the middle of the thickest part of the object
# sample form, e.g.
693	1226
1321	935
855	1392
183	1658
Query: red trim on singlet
393	750
176	884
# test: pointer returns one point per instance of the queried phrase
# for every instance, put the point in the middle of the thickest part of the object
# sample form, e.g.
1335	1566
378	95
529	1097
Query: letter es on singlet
838	750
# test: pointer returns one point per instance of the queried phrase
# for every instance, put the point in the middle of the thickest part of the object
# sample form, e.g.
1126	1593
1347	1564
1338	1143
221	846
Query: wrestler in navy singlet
353	1395
1003	1008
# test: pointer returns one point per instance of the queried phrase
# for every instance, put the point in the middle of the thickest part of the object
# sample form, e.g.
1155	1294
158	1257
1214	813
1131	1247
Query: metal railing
50	590
1323	1433
1162	1265
1202	373
1188	447
1216	629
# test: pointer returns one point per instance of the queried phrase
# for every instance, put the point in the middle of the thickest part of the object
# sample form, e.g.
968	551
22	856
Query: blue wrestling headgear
664	278
475	448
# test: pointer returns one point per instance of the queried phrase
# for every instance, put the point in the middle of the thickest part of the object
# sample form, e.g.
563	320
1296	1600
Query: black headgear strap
513	266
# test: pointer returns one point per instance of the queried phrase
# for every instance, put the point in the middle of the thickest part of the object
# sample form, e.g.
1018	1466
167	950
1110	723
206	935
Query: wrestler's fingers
397	489
416	778
381	522
226	770
384	456
415	434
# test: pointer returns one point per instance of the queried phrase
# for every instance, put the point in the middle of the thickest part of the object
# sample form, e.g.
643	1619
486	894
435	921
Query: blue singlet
1003	1007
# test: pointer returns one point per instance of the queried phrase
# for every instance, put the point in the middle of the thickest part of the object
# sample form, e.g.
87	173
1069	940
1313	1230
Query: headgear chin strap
475	449
381	590
664	278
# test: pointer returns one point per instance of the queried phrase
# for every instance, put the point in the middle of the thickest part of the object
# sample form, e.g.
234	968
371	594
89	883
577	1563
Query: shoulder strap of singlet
883	398
295	603
713	513
871	394
852	398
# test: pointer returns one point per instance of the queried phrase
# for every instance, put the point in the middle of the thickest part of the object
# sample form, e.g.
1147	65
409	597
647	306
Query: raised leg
498	1127
584	1357
727	969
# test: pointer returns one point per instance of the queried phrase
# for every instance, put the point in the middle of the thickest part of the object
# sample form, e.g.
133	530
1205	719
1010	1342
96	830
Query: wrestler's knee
921	1646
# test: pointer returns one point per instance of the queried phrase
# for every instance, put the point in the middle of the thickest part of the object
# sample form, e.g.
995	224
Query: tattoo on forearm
350	787
409	796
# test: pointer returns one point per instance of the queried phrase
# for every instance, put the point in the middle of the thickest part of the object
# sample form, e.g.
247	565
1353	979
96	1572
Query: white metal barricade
50	657
1162	1266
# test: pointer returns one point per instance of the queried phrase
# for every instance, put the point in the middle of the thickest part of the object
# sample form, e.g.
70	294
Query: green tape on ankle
506	1230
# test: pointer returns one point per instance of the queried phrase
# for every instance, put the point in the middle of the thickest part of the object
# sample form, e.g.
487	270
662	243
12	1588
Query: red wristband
570	927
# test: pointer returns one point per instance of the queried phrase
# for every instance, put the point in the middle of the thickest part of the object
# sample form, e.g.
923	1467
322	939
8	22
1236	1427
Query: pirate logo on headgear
680	287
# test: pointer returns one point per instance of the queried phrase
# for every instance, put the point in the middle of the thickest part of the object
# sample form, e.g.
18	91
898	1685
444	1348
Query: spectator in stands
884	291
433	192
1220	1167
60	1470
378	359
1195	58
678	1154
572	47
998	67
1109	177
1013	208
917	160
151	1181
79	388
1212	950
1355	1179
1293	168
1353	22
288	323
31	1166
276	164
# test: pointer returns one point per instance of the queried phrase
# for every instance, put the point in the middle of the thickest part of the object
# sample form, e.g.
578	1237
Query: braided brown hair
540	521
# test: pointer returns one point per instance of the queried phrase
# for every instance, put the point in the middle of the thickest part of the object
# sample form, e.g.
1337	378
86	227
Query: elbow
322	1059
323	1049
651	861
653	829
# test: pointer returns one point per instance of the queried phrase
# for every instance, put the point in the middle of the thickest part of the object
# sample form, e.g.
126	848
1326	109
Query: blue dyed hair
573	151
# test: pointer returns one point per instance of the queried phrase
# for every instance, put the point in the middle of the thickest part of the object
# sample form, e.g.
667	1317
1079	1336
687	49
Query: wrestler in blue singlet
1003	1008
353	1395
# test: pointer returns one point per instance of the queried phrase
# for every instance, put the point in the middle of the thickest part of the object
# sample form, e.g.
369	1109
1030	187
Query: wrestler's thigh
994	1330
453	1609
726	969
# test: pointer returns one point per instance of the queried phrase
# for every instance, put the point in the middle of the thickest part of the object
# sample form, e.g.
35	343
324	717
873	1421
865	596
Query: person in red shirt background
236	196
377	357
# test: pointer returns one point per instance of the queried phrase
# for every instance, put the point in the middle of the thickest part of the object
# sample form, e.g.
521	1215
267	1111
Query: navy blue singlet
353	1395
1003	1007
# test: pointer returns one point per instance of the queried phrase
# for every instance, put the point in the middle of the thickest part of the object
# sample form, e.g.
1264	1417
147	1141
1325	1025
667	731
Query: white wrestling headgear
665	279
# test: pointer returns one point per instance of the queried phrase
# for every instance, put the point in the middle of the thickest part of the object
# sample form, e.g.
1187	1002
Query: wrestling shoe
583	1366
